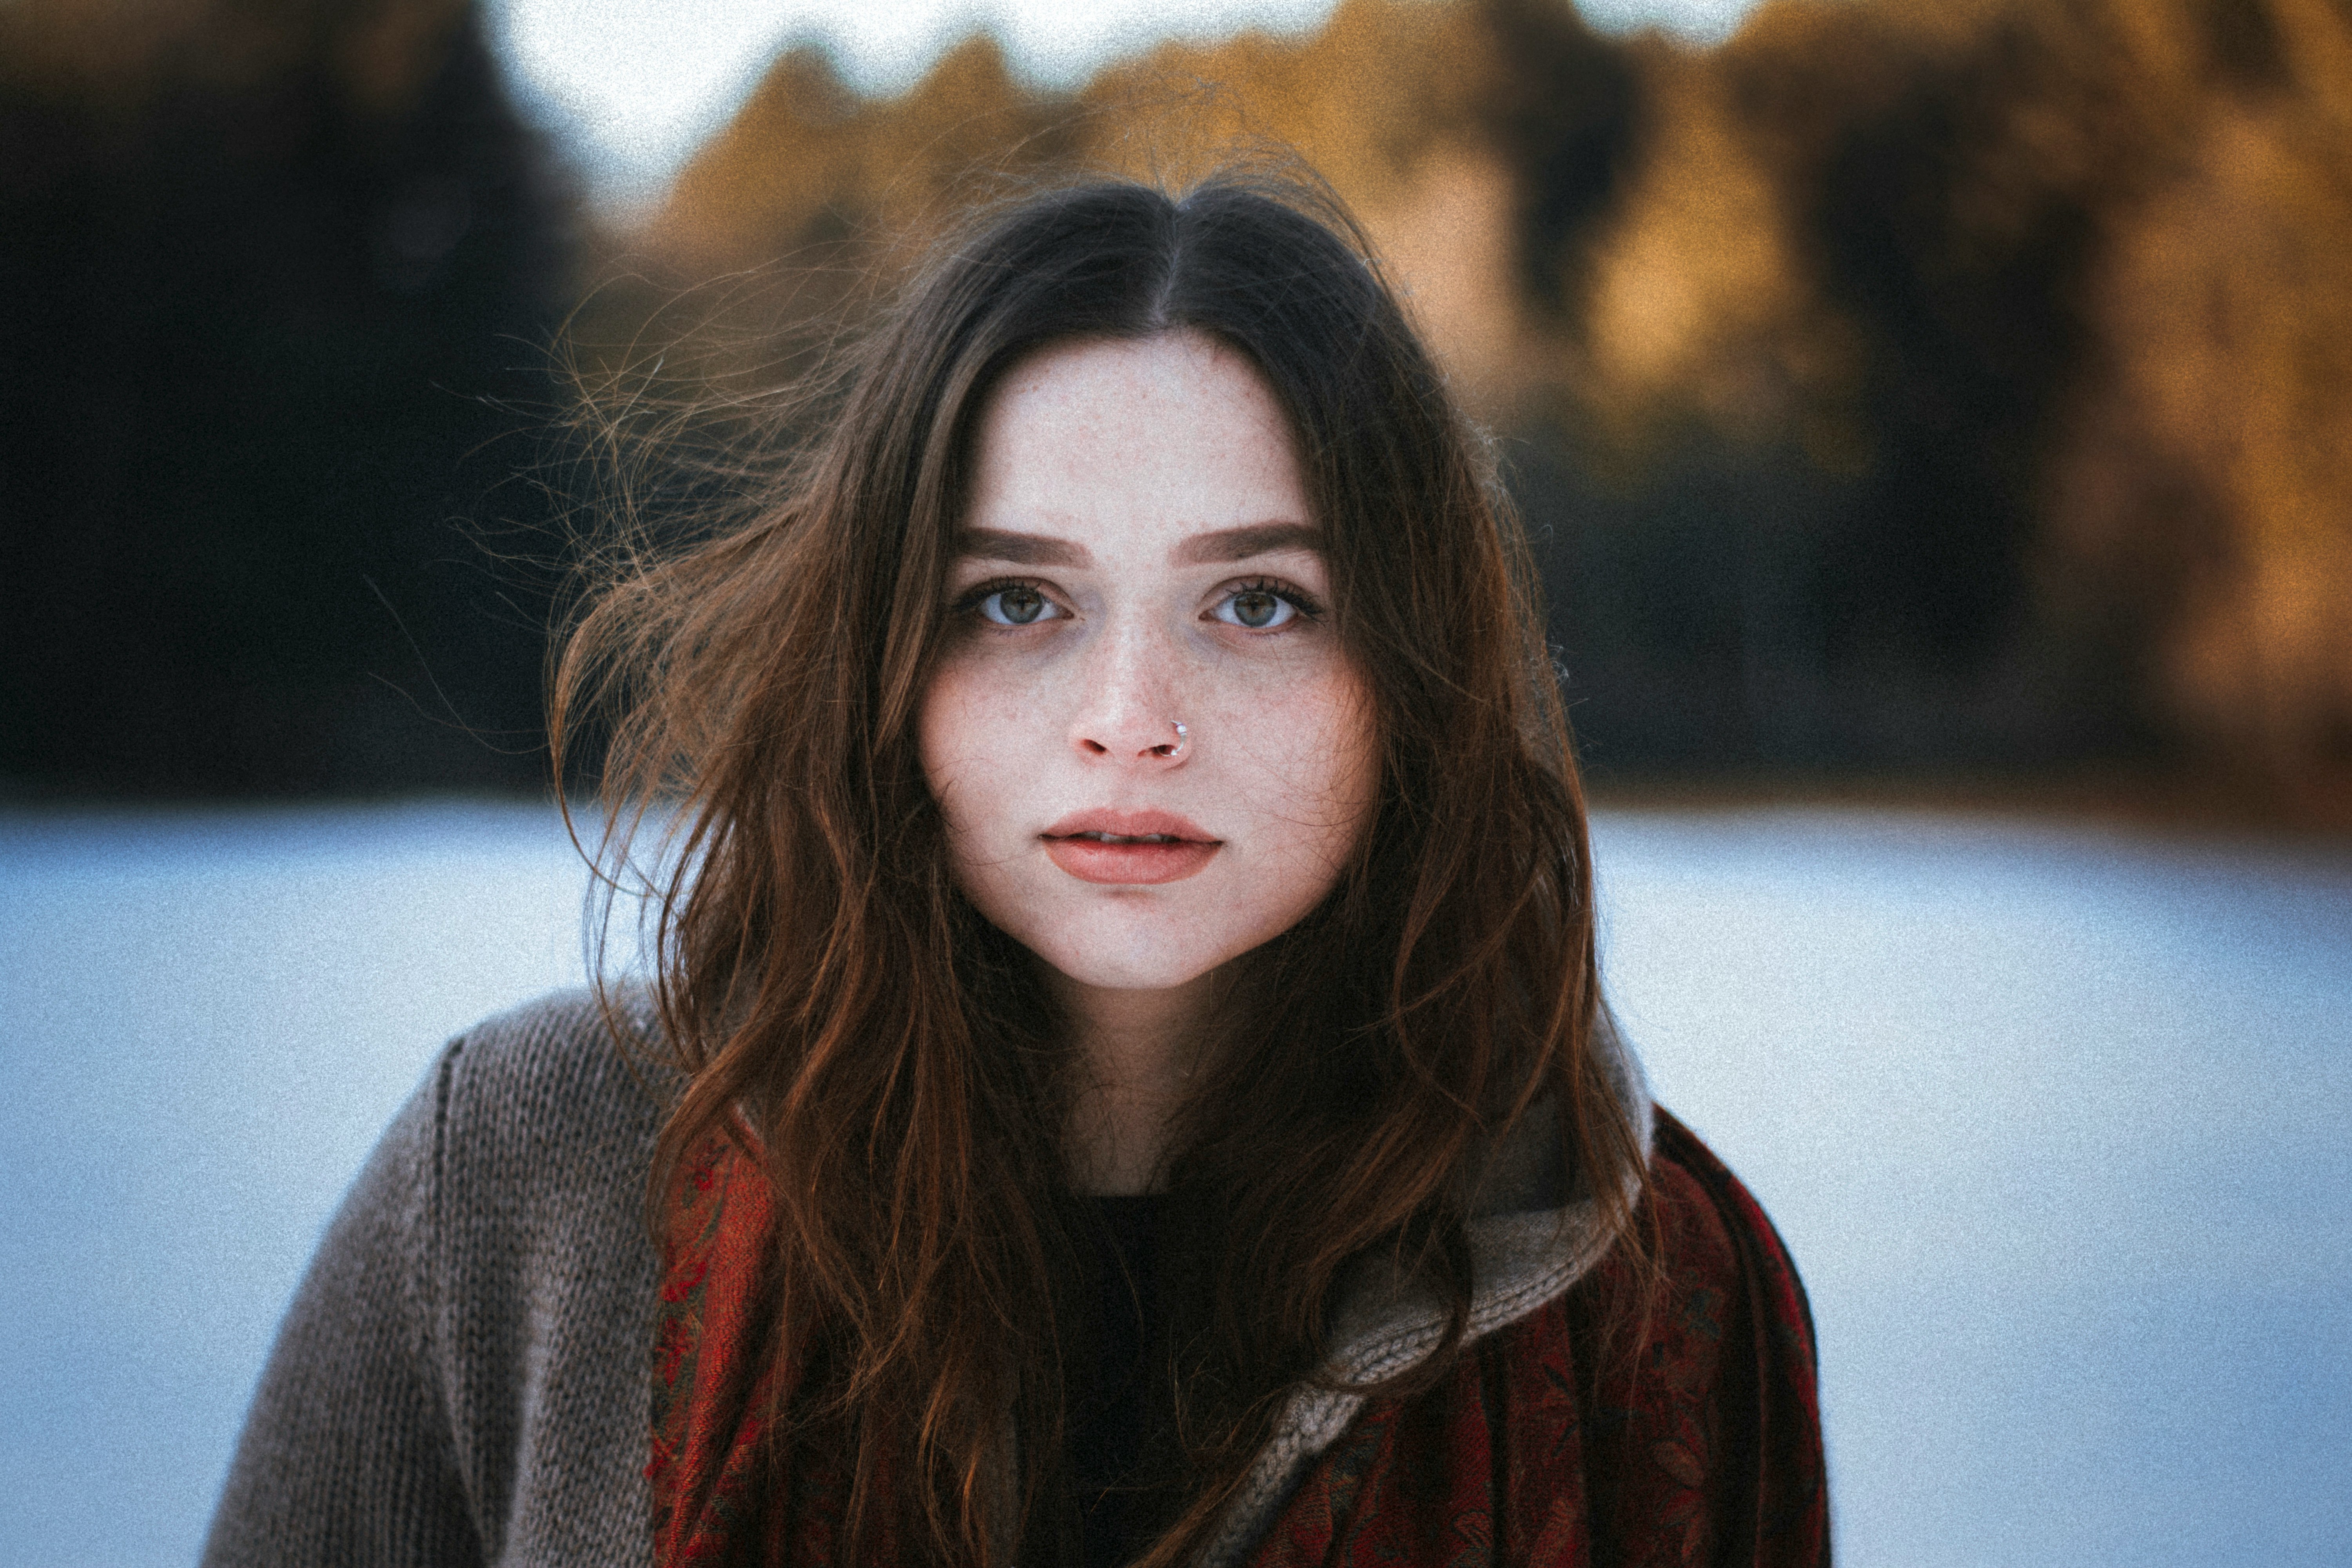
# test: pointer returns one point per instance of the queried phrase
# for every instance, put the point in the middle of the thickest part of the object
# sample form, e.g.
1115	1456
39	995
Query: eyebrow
1202	549
1241	543
1020	549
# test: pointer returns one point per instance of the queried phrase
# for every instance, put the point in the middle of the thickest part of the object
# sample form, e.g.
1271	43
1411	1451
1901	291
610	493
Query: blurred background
1894	390
1934	423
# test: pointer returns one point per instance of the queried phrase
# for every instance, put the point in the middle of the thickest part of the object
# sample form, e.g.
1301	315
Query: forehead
1143	441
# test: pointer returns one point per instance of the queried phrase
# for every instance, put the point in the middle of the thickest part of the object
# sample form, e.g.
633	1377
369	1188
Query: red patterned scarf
1705	1445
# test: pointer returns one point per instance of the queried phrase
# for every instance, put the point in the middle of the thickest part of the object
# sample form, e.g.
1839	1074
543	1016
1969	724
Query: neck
1136	1051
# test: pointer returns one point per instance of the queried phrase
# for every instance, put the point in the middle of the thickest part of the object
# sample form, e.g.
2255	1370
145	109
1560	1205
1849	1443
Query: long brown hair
899	1060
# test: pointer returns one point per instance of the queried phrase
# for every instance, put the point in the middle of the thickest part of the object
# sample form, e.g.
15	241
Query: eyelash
1297	598
1305	604
976	595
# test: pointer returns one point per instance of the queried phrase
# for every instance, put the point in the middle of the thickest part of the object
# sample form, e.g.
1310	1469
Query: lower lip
1130	865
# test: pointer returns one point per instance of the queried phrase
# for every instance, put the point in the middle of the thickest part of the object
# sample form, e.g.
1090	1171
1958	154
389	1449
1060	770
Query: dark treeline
1889	389
281	281
1927	389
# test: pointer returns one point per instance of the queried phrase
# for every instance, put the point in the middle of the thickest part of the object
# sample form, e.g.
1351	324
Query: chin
1112	967
1158	952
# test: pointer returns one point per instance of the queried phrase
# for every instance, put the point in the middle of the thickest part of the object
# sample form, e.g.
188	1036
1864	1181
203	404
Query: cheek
1317	760
952	727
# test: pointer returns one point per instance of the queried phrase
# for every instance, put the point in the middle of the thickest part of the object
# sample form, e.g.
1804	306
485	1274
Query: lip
1186	850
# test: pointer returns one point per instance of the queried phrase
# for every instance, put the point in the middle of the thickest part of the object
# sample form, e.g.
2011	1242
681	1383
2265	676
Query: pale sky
631	86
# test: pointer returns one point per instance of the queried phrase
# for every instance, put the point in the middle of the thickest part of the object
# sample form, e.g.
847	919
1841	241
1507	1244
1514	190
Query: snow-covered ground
2057	1121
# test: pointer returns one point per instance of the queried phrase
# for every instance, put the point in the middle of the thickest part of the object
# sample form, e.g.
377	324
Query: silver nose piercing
1182	739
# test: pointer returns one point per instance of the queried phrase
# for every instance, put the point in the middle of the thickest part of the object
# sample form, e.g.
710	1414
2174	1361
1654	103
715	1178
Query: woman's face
1139	554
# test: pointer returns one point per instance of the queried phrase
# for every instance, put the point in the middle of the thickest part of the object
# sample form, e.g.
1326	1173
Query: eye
1012	605
1263	607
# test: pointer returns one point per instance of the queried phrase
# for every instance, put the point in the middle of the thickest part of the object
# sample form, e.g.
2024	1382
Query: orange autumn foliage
2130	218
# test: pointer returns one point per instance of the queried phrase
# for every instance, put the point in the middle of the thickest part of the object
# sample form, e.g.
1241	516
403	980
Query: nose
1127	710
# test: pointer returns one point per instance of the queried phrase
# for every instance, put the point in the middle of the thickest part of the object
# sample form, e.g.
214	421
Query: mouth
1130	848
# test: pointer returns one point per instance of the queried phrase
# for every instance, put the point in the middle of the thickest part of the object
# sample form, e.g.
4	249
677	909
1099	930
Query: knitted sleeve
347	1456
463	1377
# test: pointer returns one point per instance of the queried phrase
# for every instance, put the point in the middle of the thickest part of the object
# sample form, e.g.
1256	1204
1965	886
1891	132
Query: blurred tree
1953	386
2005	341
271	270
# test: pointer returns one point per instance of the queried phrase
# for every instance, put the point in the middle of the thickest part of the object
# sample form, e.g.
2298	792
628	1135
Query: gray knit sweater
464	1376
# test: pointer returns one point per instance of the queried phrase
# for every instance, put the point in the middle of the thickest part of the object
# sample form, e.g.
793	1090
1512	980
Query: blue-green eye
1260	607
1016	605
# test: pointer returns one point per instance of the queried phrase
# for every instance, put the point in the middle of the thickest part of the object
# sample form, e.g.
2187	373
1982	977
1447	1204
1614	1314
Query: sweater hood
1532	1238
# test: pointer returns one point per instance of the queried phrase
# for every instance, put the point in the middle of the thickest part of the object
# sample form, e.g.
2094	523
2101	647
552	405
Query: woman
1142	1092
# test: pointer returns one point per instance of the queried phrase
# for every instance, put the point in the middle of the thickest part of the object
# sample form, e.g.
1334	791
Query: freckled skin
1126	451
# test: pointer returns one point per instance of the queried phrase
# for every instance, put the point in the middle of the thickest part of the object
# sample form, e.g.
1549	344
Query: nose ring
1183	739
